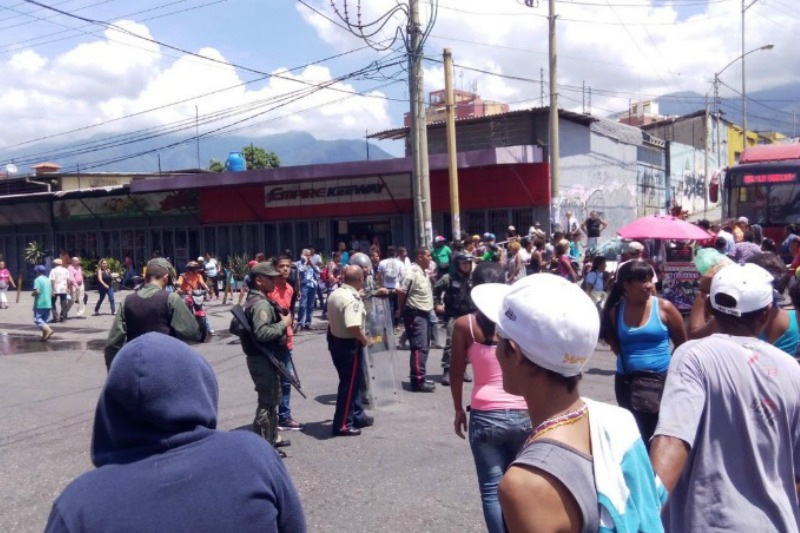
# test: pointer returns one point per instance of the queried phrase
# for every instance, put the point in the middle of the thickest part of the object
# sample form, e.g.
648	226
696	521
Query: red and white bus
765	188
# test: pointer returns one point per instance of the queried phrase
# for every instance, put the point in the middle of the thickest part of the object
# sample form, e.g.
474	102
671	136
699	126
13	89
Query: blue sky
623	49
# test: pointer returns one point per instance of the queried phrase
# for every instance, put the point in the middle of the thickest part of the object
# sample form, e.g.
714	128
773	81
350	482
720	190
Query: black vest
457	300
145	315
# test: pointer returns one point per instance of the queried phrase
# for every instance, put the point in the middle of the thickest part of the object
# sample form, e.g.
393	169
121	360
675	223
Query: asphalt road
409	472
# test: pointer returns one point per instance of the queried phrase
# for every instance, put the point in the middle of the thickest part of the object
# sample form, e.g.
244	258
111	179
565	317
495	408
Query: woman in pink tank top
498	421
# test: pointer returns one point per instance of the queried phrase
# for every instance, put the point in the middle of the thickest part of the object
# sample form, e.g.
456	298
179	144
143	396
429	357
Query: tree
215	165
256	157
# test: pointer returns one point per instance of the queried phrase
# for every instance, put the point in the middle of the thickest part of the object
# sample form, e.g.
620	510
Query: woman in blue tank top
638	327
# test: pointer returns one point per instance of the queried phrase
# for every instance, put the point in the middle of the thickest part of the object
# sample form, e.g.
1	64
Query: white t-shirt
211	267
736	402
392	271
59	277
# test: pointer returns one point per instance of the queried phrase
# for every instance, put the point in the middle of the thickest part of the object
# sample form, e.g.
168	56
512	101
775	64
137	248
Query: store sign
752	179
346	190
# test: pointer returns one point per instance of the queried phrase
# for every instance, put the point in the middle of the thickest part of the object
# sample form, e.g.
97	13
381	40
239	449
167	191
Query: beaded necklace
557	421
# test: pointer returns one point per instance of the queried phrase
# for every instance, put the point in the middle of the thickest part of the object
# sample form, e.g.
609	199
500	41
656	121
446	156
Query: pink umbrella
663	227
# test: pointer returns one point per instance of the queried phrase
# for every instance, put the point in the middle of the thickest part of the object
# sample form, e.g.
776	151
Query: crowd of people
704	435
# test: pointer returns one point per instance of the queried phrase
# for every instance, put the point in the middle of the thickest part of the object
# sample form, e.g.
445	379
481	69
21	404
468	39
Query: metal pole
719	122
541	87
414	146
744	90
197	134
420	123
553	133
705	170
455	208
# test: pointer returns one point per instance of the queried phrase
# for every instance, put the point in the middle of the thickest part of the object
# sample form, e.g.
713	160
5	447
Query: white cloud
120	75
620	51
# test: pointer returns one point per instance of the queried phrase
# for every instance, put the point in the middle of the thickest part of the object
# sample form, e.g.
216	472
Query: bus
765	188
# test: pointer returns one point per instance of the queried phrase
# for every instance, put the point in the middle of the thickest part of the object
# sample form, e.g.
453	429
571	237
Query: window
750	202
784	203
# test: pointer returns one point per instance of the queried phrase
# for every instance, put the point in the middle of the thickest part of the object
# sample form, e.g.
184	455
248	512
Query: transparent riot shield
382	370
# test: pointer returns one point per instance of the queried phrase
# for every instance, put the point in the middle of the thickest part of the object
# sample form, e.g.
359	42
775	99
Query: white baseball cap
743	220
749	285
635	247
553	321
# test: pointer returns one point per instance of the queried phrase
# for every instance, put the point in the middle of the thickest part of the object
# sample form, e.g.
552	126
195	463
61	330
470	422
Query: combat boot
47	332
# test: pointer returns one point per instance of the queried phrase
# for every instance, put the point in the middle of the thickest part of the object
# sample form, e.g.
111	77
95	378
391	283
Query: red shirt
283	295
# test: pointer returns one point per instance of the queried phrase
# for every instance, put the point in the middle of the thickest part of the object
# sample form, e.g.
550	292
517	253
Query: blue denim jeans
307	297
285	408
495	438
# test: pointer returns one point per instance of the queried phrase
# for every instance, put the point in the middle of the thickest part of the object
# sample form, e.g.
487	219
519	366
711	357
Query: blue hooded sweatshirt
162	466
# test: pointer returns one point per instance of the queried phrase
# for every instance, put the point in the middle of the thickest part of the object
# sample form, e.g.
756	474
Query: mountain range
767	110
293	148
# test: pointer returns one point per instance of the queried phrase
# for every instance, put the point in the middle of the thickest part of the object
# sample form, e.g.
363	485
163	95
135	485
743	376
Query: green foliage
238	265
34	253
88	265
116	267
257	158
215	165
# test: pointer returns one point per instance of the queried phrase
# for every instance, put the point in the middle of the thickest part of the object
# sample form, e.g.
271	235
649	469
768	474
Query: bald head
354	276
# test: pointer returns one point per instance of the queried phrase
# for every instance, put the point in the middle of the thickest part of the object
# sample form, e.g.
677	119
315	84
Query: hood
159	394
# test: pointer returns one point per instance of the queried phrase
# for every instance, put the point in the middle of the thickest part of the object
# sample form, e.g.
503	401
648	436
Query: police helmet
361	260
461	257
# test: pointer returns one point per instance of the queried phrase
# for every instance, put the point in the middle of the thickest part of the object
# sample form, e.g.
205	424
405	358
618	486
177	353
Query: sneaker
467	377
446	377
426	386
290	425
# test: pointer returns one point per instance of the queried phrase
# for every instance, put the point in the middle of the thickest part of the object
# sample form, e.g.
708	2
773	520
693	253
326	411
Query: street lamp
745	7
769	46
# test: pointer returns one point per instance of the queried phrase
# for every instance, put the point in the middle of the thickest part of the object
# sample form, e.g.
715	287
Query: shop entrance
347	231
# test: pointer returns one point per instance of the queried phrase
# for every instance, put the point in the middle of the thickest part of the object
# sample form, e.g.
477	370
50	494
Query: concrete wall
688	182
597	173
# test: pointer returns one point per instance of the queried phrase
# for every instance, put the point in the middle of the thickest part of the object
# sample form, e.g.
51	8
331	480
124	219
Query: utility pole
197	134
541	87
583	97
553	133
719	121
705	166
455	208
419	128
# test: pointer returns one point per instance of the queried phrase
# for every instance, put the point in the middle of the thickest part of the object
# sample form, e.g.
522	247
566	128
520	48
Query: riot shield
382	370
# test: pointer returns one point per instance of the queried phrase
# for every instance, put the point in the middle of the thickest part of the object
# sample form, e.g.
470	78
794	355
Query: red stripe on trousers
350	392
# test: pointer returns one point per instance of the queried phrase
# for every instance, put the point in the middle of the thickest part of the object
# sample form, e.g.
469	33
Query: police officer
152	308
370	287
346	341
415	305
269	329
454	291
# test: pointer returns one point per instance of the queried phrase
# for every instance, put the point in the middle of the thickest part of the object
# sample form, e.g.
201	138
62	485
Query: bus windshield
767	198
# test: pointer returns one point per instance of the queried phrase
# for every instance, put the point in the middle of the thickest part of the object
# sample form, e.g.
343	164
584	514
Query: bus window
749	201
784	203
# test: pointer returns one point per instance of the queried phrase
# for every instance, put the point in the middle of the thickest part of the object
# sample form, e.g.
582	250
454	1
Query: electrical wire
174	103
190	123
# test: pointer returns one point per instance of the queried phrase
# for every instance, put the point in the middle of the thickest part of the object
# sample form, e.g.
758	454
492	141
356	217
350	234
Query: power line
178	102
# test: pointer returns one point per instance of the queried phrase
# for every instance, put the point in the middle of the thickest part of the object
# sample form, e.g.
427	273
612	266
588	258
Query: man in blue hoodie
162	466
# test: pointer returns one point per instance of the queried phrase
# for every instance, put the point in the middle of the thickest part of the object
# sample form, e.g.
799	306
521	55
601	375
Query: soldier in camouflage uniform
269	329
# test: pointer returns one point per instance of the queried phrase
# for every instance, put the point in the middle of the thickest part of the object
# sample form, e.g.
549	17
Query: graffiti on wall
688	184
651	186
603	192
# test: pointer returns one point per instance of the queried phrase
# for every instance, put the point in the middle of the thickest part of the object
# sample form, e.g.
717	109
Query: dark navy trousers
347	358
417	324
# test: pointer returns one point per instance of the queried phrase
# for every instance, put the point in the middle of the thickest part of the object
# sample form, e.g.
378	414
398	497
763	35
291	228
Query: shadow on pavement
326	399
11	344
318	430
600	372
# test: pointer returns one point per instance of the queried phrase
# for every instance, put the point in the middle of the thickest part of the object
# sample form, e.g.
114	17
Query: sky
254	67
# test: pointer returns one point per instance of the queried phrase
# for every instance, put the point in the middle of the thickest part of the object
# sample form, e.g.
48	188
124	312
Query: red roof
770	152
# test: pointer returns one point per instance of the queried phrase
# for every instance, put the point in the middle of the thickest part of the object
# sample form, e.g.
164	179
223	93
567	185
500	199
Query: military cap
265	268
159	267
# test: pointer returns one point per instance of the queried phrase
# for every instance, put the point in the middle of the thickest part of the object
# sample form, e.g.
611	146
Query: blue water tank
235	162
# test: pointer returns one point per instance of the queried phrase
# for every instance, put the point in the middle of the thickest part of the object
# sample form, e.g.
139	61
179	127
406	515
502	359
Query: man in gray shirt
727	445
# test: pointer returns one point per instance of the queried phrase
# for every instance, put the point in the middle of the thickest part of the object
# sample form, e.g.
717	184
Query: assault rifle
244	325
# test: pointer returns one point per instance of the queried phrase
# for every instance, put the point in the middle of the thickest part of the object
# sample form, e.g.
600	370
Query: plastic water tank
235	162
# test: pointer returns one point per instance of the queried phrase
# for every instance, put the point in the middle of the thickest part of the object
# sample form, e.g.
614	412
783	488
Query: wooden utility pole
455	209
553	130
419	127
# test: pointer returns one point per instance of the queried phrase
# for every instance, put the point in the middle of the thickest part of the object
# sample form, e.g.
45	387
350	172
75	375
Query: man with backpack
390	272
270	331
